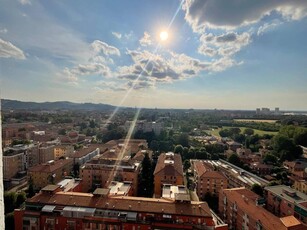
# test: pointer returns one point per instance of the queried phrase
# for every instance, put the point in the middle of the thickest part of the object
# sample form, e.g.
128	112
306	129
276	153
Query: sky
234	54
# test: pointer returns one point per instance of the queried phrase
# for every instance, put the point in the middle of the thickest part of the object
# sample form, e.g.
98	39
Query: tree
154	145
186	165
9	202
256	188
183	140
212	200
239	138
235	130
225	133
234	159
62	132
76	169
285	148
92	124
145	187
31	191
9	221
178	149
270	159
248	131
20	199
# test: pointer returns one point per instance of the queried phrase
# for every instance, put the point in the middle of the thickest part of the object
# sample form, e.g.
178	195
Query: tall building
168	171
240	208
208	180
51	209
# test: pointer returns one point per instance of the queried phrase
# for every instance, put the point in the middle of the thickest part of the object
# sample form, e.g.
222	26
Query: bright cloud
104	48
8	50
224	45
145	40
117	35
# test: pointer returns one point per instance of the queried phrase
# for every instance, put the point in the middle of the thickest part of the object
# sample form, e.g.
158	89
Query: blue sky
219	54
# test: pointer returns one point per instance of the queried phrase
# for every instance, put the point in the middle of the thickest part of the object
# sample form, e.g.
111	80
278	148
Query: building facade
207	180
50	173
63	151
240	208
284	201
72	211
168	171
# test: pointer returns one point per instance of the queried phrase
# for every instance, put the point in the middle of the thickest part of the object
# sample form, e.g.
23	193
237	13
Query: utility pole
1	175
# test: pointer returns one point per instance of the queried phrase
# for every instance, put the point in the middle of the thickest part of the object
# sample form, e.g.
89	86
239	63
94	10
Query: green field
256	120
215	132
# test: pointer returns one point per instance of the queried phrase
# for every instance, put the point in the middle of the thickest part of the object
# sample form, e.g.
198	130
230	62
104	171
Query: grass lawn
215	132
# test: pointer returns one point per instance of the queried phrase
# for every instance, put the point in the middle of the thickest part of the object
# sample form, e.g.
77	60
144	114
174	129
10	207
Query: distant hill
58	105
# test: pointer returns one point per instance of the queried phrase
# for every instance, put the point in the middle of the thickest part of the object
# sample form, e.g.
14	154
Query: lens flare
163	35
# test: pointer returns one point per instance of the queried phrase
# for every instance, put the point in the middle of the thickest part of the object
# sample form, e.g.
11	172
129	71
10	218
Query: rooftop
121	203
51	167
83	152
204	171
290	221
169	166
287	193
246	201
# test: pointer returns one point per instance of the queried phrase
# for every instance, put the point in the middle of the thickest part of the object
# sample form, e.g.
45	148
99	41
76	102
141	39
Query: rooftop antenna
1	172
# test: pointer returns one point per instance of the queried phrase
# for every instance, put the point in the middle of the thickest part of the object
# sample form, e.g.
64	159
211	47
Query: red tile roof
123	203
51	167
169	168
84	151
203	171
246	201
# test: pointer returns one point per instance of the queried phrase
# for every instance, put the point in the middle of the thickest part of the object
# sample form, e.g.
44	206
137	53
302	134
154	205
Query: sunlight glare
163	35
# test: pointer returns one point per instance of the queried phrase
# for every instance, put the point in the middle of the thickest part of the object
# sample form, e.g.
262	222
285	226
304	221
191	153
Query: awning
131	215
48	208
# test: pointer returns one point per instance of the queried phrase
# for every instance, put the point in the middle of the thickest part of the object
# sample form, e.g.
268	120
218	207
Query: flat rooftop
287	193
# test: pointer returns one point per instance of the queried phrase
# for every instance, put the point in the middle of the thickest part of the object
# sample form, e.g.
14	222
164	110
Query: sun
163	35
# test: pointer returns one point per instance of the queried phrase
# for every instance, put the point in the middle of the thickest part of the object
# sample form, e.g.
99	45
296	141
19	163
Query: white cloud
145	40
3	31
232	13
104	48
267	26
224	45
97	64
117	35
25	2
150	69
8	50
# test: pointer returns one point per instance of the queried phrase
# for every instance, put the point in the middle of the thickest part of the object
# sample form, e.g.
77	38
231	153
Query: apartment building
240	208
61	151
69	210
50	173
100	172
86	154
285	201
168	171
207	180
300	185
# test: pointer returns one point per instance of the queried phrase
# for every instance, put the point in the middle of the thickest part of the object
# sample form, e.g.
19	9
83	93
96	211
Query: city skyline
224	55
